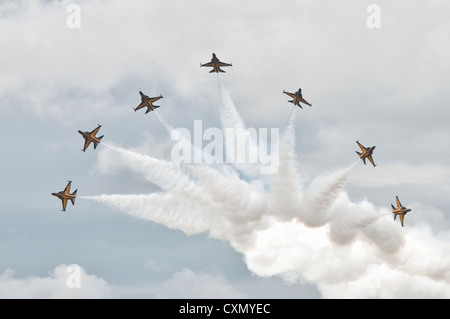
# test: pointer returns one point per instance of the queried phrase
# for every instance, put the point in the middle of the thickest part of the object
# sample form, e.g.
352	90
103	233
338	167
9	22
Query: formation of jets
216	64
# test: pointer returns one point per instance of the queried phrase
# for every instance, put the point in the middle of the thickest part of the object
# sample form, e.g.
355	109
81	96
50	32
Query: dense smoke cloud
286	227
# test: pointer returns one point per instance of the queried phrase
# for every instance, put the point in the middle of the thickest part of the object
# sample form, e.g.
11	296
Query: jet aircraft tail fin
152	108
97	142
73	199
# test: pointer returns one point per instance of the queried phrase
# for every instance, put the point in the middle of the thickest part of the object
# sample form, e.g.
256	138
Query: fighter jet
297	98
216	64
400	211
65	196
148	102
90	137
366	153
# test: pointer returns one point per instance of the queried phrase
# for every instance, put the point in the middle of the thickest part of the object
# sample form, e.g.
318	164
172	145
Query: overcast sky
385	86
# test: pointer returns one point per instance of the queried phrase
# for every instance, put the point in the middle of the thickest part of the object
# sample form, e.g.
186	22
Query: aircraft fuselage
62	195
88	136
401	211
368	152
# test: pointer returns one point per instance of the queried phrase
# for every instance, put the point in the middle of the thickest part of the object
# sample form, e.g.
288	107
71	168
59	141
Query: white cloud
403	173
55	285
381	281
189	284
58	284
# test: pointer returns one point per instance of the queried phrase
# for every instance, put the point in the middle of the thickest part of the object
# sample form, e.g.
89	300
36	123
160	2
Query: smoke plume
284	227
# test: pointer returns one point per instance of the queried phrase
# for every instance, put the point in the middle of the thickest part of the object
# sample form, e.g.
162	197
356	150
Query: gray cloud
386	87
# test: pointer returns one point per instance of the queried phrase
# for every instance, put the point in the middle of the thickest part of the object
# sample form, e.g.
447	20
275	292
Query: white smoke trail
166	209
313	233
168	128
321	194
167	175
286	186
196	151
244	141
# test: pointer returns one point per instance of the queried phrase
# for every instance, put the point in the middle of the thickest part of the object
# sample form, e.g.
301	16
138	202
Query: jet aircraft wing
64	203
67	189
371	160
224	64
360	146
399	205
402	218
209	64
87	142
292	95
154	99
95	131
140	106
304	101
